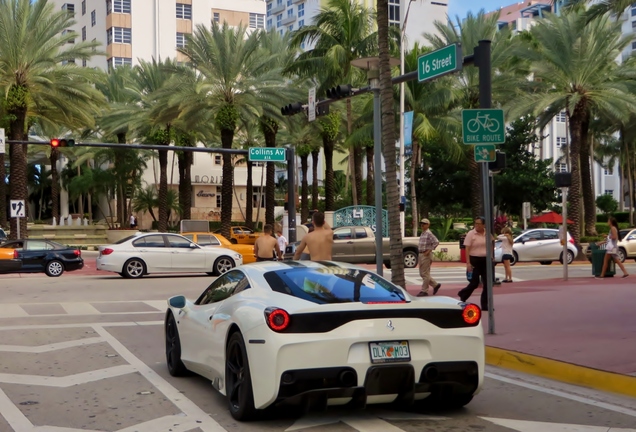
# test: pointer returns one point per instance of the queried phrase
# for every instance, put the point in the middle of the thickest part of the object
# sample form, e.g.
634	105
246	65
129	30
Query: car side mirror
192	245
178	302
335	237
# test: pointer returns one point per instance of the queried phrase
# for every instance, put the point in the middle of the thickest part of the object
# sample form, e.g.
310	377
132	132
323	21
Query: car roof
258	268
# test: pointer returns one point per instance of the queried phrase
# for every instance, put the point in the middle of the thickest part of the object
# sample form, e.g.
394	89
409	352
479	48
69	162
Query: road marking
67	381
50	347
558	393
80	308
160	305
12	311
533	426
13	415
361	422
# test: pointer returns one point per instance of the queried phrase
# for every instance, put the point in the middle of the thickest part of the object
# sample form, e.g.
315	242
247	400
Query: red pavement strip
581	332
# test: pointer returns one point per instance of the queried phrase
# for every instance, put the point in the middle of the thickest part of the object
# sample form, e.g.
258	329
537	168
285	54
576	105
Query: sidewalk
583	322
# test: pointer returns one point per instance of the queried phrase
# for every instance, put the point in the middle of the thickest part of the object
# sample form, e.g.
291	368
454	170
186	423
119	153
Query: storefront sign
204	194
204	179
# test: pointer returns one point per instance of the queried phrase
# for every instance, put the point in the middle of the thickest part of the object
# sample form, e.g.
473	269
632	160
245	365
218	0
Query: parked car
207	239
146	253
356	244
242	235
311	333
626	245
32	256
541	244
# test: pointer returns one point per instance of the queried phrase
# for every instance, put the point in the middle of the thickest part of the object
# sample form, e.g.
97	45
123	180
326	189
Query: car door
343	249
239	235
629	242
196	325
34	255
551	247
153	250
527	245
186	256
363	246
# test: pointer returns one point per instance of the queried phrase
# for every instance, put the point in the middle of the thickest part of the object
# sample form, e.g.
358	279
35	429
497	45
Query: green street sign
483	126
485	153
440	62
265	154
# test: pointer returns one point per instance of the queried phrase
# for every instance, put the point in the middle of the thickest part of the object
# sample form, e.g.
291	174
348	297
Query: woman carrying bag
611	249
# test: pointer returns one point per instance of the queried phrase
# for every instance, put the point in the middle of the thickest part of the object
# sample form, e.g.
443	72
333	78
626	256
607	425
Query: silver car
539	244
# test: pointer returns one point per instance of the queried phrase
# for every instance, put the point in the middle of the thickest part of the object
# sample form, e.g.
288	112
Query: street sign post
439	62
483	126
311	104
485	153
18	210
2	146
266	154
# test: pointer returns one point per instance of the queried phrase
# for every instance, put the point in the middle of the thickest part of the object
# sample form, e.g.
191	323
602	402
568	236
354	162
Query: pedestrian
475	244
506	249
282	244
319	241
428	243
266	246
133	222
611	249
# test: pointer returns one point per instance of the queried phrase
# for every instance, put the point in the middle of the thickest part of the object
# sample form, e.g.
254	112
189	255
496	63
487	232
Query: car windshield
334	285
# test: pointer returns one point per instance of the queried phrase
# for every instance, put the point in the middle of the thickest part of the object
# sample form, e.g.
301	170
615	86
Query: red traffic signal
55	142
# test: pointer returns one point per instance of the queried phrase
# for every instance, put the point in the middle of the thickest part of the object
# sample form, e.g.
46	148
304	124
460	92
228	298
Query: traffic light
322	110
62	142
339	92
291	109
499	164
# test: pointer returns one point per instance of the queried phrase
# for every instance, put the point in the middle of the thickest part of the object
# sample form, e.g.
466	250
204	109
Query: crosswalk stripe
79	308
12	311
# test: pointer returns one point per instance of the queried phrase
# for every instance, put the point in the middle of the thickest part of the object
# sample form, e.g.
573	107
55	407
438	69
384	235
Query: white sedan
147	253
540	244
326	333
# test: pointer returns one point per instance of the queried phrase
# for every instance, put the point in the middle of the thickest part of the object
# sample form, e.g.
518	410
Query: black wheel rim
235	376
172	344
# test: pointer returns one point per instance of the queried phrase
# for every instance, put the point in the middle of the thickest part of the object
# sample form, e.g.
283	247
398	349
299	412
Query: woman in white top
611	249
506	248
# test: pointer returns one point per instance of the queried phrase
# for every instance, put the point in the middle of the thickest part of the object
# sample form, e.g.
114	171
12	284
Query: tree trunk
120	157
415	163
227	136
3	190
55	184
574	195
185	160
249	198
18	156
370	174
353	166
270	129
314	180
630	180
330	185
589	203
304	189
388	144
357	163
162	200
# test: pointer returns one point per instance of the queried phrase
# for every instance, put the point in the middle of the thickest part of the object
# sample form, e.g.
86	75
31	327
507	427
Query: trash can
462	248
598	255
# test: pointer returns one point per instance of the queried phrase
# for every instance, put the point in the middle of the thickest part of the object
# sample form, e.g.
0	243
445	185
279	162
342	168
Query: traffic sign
267	154
485	153
18	209
311	104
483	126
440	62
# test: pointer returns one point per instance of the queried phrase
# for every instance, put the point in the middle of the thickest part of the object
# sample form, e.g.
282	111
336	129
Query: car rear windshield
334	285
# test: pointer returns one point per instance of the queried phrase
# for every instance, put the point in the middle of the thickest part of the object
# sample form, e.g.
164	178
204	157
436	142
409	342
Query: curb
562	371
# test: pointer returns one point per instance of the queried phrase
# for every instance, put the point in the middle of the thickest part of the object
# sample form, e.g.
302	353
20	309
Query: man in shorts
319	241
265	246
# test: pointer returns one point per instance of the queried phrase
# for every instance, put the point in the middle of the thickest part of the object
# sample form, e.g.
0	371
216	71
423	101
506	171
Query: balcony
288	19
276	9
297	1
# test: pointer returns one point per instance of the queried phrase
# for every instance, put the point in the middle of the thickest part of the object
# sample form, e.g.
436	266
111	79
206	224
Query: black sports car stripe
294	264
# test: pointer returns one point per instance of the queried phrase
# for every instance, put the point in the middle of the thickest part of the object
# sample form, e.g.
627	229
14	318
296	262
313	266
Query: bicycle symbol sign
483	126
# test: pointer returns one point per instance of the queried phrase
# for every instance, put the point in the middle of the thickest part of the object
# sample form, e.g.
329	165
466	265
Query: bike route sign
483	126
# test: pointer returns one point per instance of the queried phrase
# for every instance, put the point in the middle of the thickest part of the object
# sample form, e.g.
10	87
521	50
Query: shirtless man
265	245
319	241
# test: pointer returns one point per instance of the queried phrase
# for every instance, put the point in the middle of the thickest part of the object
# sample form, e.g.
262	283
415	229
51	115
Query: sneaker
497	282
437	287
422	294
599	277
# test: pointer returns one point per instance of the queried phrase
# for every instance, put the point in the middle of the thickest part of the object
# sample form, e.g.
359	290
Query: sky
462	7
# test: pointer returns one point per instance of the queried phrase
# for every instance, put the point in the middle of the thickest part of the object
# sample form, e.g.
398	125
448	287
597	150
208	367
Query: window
181	40
560	167
69	32
394	12
633	43
258	196
342	234
178	242
118	6
269	9
530	237
269	23
207	240
290	12
84	63
218	196
633	25
279	18
301	23
83	7
361	233
70	8
257	20
608	172
560	142
151	241
551	235
279	2
119	35
561	117
217	17
290	28
223	287
609	192
84	33
301	10
218	160
289	2
93	19
94	47
35	245
184	11
114	62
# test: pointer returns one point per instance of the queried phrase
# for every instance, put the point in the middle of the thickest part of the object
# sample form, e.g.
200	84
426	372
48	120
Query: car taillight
471	314
77	252
277	319
571	240
15	254
107	251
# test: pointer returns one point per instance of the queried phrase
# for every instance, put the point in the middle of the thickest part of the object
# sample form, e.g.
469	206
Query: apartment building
145	29
290	15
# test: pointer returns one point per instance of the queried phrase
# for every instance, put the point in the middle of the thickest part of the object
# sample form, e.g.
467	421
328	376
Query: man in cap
428	243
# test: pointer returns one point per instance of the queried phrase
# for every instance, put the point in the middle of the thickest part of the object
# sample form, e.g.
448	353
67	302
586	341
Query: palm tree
36	83
237	82
575	73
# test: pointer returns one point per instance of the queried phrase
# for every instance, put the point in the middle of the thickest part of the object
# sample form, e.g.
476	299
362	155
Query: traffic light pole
291	195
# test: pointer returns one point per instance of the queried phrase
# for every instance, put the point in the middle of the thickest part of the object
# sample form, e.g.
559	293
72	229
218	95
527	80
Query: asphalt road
87	353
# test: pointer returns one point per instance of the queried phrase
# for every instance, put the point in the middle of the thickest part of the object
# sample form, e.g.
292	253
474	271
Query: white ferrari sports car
324	333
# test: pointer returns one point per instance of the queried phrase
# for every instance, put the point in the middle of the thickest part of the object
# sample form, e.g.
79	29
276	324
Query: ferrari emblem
389	325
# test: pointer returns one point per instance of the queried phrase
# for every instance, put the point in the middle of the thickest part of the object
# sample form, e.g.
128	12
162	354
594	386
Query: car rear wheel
238	381
233	241
570	257
134	268
173	349
222	265
545	262
54	268
622	255
514	259
410	259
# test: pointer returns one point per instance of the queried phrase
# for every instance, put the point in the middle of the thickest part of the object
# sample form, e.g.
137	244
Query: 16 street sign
440	62
264	154
483	126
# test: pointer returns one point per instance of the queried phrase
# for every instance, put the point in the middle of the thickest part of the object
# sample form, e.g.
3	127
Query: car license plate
385	352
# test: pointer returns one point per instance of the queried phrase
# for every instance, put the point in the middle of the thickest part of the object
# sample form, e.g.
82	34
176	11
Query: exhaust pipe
431	373
347	378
